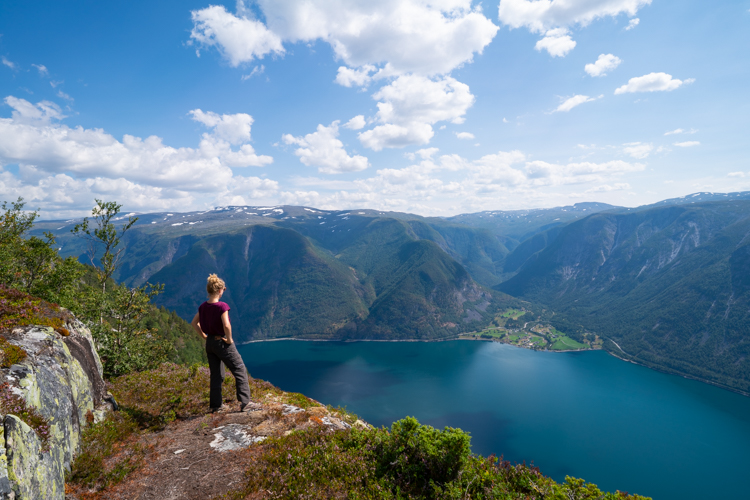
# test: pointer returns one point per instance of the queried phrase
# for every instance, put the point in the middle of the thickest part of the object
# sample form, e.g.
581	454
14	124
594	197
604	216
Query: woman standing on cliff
212	322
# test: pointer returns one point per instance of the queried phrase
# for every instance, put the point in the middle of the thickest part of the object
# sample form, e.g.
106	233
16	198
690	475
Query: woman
212	322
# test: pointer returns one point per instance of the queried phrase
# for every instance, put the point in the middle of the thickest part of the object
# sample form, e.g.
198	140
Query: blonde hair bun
214	284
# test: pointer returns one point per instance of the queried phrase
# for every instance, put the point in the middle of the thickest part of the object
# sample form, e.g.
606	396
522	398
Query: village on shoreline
511	327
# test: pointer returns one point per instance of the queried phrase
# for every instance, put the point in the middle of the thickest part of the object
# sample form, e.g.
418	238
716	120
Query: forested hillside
669	285
297	271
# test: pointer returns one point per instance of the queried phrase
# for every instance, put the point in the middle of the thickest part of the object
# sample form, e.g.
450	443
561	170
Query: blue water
584	414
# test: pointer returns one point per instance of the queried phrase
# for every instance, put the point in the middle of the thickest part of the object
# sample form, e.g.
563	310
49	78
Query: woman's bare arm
197	326
227	327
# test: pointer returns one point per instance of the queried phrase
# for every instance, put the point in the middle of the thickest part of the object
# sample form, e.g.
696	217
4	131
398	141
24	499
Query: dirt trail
206	456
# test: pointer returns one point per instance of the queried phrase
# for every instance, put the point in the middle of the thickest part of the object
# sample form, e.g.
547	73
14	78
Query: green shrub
412	461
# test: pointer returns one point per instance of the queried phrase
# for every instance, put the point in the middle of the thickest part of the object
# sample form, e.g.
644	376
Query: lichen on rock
61	378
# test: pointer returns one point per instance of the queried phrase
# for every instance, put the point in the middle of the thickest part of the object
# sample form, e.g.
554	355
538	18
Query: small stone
178	452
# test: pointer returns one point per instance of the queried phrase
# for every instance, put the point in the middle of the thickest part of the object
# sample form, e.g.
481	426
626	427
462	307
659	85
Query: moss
299	400
12	404
10	354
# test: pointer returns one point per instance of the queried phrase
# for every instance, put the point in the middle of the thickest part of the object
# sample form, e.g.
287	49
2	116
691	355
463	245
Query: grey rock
62	378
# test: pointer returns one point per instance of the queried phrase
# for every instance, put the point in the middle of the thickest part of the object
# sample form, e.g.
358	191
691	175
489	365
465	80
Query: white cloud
574	101
465	135
410	105
33	139
8	63
228	131
687	144
736	174
606	188
653	82
238	38
41	113
553	17
324	150
42	69
681	131
63	95
541	15
632	24
603	64
356	123
349	77
451	184
638	150
55	83
257	70
416	36
557	42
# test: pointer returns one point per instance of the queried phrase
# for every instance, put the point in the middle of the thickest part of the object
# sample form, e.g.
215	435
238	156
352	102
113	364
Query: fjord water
584	414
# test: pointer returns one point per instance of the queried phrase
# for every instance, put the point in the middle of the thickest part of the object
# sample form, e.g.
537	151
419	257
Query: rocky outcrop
61	378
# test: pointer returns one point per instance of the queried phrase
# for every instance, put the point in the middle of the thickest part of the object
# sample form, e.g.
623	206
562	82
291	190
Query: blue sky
433	107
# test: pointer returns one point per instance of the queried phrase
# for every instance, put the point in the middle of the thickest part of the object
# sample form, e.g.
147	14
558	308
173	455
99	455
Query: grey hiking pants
219	351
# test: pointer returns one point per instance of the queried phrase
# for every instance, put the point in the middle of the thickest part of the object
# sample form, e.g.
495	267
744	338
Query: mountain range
667	285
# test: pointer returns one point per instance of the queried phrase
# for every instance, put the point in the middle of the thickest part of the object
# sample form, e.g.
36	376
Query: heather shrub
12	404
412	461
109	452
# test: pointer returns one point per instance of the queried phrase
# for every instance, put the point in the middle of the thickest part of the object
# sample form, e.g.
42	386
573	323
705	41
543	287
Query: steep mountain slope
296	271
668	285
277	283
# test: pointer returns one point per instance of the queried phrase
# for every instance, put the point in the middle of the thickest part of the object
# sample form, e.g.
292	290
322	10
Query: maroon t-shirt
209	316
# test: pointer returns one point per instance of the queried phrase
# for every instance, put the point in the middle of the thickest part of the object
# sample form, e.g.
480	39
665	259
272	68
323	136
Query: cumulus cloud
557	42
412	36
653	82
549	16
541	15
359	77
228	131
71	163
687	144
574	101
603	64
239	39
410	105
41	113
638	150
632	24
324	150
465	135
356	123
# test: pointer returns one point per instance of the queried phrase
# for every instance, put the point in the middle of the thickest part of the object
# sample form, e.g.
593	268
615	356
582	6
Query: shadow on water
334	382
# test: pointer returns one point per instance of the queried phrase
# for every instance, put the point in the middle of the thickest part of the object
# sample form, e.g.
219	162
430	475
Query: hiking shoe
251	406
221	408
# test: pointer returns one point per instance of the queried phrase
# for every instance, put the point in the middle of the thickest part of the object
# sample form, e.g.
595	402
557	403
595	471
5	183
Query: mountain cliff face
668	285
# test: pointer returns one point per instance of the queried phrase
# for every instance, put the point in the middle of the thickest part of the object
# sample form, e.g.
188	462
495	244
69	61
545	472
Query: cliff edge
52	385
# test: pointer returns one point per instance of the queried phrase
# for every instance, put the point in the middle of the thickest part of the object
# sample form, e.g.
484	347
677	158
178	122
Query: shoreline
675	372
411	340
655	368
